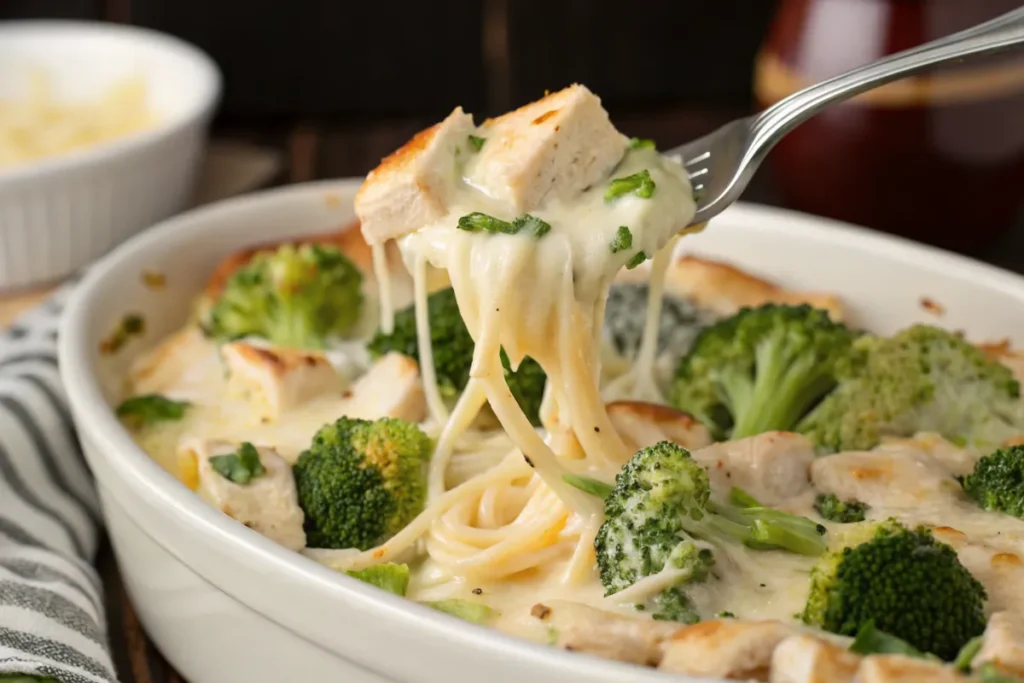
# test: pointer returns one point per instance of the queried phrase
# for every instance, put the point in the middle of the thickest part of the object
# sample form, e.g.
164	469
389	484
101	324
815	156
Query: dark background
337	84
340	83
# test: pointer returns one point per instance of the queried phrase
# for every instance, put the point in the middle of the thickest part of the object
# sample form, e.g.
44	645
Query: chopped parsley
641	143
476	221
477	143
636	260
535	227
639	183
623	240
131	325
149	409
871	640
241	466
588	485
725	615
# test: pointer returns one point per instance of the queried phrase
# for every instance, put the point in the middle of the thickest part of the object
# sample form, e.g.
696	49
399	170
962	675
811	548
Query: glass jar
937	157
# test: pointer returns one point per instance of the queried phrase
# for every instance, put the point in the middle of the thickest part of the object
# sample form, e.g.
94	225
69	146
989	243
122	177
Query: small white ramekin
60	213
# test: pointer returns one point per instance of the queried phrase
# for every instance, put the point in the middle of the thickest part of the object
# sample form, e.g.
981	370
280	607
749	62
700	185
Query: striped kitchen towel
51	612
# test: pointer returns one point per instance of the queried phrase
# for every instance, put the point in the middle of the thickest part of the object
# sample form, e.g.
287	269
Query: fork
721	164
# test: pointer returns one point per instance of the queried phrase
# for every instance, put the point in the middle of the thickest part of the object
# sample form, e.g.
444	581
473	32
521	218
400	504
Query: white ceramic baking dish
59	213
225	604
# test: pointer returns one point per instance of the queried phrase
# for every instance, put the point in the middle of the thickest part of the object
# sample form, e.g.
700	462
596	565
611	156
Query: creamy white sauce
502	527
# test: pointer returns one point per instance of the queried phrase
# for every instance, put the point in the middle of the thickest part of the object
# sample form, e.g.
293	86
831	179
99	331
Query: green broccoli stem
784	389
759	527
296	328
738	390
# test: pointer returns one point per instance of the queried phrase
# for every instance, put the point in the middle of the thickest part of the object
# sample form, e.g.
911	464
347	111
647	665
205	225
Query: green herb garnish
476	221
392	577
636	260
131	325
872	641
474	612
967	654
588	485
532	225
725	615
477	142
239	467
641	143
623	240
149	409
638	183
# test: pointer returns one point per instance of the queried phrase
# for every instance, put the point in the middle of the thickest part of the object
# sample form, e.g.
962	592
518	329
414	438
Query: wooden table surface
311	151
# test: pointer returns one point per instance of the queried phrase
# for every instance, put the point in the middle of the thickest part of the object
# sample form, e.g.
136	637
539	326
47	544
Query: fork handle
992	36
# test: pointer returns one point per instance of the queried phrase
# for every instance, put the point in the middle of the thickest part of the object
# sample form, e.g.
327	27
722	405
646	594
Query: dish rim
209	84
121	453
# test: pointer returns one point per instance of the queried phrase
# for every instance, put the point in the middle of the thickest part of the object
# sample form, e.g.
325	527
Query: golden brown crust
724	288
404	155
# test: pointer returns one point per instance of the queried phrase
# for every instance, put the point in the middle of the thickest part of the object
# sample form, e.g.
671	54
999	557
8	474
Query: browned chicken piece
644	424
773	467
899	478
724	289
727	648
1003	643
902	669
582	628
276	380
806	659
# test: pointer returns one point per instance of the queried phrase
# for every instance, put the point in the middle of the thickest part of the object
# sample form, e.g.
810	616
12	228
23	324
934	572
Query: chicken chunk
179	367
726	648
278	379
1003	643
267	504
1001	572
409	189
903	669
391	388
582	628
645	424
773	467
550	149
724	289
553	148
904	478
959	461
806	659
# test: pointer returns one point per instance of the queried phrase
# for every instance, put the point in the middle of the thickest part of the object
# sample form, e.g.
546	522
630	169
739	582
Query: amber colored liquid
938	158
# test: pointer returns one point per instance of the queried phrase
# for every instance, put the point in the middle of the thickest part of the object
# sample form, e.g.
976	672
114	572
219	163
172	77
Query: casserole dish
225	604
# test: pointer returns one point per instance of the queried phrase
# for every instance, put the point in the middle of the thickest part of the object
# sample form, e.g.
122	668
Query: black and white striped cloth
51	610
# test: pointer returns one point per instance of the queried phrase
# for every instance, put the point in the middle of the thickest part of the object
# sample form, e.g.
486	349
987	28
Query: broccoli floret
997	482
843	511
659	517
452	347
361	481
921	379
391	577
904	581
298	296
760	370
